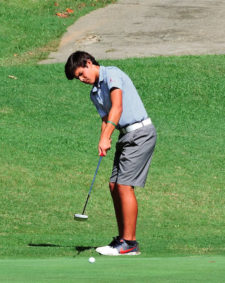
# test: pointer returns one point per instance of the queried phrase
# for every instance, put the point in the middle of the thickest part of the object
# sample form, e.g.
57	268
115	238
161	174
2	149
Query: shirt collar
101	78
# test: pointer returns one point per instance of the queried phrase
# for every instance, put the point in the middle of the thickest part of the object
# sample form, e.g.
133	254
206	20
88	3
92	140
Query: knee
124	189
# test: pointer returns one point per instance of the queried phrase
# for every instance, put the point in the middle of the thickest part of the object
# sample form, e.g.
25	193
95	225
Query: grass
31	29
49	135
178	269
48	151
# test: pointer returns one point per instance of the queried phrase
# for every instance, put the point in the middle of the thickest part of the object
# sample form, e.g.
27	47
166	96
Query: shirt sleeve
114	80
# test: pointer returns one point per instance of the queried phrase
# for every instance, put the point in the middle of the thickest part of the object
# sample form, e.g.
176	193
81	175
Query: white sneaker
101	249
119	247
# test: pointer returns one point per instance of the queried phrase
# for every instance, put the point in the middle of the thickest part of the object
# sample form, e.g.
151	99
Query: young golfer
120	107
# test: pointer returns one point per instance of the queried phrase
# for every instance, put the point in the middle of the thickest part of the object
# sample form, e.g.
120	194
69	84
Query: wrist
105	136
112	123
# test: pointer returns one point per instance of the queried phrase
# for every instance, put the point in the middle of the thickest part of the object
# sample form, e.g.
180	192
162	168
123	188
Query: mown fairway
49	132
126	269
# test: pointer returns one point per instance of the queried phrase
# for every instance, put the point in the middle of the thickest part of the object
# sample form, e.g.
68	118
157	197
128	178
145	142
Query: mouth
88	82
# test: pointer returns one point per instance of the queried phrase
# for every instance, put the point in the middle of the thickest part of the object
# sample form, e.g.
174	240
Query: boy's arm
113	116
104	123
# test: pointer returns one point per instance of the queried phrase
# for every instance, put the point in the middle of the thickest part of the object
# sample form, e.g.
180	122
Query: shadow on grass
79	249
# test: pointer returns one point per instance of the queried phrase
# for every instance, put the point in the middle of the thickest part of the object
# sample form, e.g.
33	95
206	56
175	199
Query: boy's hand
104	145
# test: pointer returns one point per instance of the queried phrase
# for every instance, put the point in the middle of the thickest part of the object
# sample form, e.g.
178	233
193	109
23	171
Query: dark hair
76	60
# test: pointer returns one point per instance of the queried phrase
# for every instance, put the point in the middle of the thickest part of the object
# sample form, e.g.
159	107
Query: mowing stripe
111	269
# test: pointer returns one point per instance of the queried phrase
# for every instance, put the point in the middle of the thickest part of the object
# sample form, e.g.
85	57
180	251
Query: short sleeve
114	79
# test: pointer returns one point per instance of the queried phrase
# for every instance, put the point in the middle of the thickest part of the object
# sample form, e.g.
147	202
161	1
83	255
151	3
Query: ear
89	63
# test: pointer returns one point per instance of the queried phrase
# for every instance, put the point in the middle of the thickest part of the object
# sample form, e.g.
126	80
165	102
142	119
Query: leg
129	208
117	207
126	209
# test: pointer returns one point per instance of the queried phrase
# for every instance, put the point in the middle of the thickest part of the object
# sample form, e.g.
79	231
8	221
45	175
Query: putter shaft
89	193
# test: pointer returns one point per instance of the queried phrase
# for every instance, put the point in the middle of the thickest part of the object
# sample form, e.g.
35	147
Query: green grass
49	131
177	269
31	29
48	151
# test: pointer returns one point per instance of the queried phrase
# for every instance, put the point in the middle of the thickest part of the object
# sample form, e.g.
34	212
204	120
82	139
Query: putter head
80	217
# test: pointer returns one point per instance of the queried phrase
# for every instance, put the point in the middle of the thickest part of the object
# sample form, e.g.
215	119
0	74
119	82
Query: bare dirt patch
144	28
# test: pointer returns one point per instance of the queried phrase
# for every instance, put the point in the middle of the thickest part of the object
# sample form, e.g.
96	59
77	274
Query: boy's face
88	74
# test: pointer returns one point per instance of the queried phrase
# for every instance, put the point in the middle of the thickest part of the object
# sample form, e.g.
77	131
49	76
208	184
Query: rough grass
31	29
48	150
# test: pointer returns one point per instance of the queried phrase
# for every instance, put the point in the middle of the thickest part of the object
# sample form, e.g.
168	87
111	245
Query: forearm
104	123
114	117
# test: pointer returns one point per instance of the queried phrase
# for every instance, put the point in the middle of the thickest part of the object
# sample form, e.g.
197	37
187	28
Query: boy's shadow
79	249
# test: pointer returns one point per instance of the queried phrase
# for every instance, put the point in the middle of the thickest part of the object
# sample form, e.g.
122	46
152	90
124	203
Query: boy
120	107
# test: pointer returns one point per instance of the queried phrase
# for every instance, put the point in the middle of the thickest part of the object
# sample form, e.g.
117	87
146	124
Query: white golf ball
91	259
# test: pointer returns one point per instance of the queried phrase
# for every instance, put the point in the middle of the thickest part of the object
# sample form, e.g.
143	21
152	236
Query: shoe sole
132	254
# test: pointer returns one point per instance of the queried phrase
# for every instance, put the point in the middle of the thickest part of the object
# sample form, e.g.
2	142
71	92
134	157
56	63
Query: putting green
114	269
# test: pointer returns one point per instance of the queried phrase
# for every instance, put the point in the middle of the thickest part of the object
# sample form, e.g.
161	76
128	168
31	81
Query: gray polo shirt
113	77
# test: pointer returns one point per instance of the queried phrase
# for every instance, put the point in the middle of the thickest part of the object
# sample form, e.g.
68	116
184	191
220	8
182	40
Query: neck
97	70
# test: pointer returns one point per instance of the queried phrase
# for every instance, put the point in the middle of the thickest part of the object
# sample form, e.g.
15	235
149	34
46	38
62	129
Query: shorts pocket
143	135
126	139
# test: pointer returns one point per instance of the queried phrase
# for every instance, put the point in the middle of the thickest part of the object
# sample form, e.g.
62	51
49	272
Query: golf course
49	133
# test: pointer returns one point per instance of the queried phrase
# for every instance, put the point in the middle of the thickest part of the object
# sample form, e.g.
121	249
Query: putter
82	217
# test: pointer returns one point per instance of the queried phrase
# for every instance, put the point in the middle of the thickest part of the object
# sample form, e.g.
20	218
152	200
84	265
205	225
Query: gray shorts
133	157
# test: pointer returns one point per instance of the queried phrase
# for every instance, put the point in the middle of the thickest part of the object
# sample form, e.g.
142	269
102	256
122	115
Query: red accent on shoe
127	251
